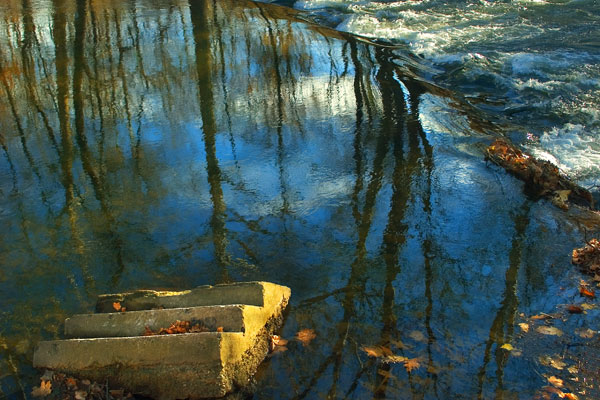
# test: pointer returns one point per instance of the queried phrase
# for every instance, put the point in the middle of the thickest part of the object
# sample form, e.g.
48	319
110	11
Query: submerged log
542	178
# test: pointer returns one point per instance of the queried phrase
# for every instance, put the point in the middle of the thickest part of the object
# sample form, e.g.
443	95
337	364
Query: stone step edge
248	293
230	318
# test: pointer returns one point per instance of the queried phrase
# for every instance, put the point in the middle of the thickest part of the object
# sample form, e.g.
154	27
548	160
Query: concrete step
109	346
248	293
231	318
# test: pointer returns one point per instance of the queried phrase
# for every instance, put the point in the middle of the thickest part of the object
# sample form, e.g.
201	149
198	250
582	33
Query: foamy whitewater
533	66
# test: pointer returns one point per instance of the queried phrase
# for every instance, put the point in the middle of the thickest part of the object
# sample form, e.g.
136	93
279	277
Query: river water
533	64
169	144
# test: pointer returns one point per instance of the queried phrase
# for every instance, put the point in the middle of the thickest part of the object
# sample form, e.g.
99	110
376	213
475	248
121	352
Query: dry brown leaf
411	364
574	309
587	306
373	351
587	292
541	316
44	389
117	306
549	330
524	327
571	396
219	329
556	382
306	336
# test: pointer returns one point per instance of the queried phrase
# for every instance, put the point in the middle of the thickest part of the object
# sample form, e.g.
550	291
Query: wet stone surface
171	366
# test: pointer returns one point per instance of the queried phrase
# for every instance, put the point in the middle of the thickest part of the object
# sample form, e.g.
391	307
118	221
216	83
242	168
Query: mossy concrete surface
189	365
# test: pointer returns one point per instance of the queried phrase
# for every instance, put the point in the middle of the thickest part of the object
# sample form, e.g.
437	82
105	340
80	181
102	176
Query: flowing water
169	144
533	64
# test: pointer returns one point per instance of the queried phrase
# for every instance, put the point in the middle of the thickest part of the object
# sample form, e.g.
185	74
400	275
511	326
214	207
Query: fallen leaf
549	330
306	336
123	309
117	306
394	359
574	309
219	329
587	292
373	351
277	341
417	336
571	396
573	369
586	333
524	327
556	382
507	346
80	395
44	390
70	381
557	364
411	364
587	306
541	316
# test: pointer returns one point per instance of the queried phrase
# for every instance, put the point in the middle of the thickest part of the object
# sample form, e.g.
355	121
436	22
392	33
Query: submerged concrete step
189	365
232	318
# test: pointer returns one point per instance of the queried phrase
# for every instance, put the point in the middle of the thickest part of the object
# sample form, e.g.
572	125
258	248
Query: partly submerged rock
111	346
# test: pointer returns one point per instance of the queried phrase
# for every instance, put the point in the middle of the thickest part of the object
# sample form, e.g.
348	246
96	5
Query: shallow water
155	144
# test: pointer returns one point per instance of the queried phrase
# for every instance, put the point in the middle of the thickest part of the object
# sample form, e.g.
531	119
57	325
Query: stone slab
134	323
165	367
248	293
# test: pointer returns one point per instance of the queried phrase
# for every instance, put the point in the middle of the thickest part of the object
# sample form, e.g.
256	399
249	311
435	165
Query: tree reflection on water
151	144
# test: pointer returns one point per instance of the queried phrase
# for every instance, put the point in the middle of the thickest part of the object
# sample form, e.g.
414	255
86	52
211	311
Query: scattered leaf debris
61	386
588	258
542	178
179	327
